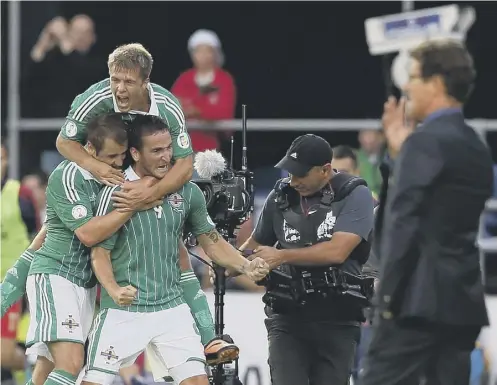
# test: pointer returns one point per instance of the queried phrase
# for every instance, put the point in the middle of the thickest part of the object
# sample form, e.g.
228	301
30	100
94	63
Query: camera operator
320	222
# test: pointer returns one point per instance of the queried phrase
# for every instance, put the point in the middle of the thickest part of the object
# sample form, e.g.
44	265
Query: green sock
60	377
14	284
197	301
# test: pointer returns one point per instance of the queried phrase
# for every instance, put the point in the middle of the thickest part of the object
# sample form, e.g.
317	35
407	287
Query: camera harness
290	286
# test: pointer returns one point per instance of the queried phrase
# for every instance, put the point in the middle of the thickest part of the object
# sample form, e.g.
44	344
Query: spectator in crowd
18	219
345	160
206	91
37	183
62	62
369	157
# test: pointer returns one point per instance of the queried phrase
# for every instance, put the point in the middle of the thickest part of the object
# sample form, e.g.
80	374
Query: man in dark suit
430	304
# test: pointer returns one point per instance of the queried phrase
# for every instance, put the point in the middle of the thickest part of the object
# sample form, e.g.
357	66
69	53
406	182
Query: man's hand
137	195
227	273
272	256
106	174
124	296
256	269
394	124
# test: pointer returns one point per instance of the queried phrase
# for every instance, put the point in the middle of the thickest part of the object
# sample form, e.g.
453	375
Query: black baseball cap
306	152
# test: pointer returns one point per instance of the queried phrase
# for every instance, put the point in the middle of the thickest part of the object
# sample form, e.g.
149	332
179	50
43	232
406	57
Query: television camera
230	201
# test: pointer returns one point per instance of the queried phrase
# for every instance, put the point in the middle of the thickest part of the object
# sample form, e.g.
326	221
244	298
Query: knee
68	356
189	373
42	369
197	380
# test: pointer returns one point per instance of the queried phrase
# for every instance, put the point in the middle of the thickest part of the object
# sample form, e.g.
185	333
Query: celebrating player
129	90
60	284
138	267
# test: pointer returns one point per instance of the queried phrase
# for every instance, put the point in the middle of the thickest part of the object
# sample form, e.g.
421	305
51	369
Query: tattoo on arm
213	235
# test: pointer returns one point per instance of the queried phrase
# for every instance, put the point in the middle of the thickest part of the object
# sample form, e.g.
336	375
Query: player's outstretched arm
222	253
14	284
102	267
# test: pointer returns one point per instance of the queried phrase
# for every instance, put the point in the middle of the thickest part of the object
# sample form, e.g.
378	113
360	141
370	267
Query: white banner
244	322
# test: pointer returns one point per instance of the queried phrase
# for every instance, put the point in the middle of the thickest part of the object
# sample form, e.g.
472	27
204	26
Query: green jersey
145	251
71	196
98	100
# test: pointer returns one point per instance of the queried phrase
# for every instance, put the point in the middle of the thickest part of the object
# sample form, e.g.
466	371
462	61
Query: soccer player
144	253
129	90
60	284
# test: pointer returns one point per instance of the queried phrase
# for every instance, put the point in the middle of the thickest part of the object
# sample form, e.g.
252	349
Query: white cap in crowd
207	37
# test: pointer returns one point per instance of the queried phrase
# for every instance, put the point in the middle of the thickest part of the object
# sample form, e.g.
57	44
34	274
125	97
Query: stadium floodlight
404	31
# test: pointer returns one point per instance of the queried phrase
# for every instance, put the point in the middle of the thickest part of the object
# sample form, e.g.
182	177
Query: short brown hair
452	62
131	57
105	126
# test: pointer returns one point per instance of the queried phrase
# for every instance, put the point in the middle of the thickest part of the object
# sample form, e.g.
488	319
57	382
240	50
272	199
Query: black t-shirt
356	216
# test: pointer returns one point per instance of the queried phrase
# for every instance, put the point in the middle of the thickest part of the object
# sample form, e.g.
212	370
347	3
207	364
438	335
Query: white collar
130	174
154	110
86	174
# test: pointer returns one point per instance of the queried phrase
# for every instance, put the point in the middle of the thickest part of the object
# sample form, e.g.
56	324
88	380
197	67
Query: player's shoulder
191	188
189	192
96	93
102	87
107	191
162	91
104	199
70	172
163	95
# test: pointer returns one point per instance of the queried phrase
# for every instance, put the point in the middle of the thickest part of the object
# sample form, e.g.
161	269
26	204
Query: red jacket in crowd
215	103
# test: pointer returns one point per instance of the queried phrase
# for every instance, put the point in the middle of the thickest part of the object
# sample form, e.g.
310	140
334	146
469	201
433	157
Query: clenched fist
256	269
124	296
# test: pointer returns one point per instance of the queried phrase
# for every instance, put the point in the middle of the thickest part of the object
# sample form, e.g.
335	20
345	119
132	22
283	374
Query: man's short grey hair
132	57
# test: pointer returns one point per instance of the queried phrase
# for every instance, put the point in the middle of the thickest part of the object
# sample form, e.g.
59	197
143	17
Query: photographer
319	222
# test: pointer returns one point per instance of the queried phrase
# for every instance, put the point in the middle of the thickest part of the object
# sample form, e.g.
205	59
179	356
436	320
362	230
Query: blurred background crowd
286	61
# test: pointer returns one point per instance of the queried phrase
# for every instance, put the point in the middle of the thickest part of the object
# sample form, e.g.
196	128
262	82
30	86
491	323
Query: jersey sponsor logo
71	129
325	229
175	200
70	323
291	235
109	355
79	212
183	140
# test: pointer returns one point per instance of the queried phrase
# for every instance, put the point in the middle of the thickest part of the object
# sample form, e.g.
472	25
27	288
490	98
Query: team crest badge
109	355
176	201
70	323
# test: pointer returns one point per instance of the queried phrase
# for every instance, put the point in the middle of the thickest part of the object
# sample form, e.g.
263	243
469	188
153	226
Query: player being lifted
143	254
129	89
61	284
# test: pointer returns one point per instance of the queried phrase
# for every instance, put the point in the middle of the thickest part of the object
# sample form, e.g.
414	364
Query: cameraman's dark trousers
315	352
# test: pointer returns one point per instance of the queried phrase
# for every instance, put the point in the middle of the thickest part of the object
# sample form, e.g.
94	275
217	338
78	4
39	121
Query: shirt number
158	210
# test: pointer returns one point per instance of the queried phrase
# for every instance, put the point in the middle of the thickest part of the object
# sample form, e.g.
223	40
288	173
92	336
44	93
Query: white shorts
60	311
169	336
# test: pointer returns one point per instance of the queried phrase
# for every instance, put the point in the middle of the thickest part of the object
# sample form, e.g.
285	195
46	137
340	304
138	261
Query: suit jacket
428	225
